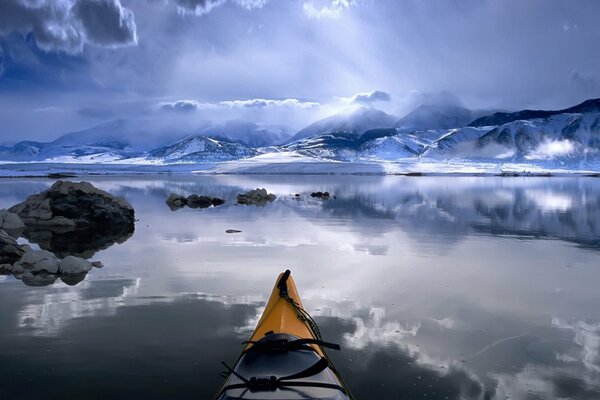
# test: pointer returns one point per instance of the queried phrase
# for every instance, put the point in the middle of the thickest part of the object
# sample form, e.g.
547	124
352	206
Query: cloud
67	25
550	150
585	81
366	98
106	22
268	103
180	106
201	7
332	11
191	105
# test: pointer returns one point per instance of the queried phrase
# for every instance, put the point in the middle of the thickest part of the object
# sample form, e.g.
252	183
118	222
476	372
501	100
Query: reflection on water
76	242
437	287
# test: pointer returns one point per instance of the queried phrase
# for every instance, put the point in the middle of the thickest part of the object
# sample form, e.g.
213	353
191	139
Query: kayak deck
285	357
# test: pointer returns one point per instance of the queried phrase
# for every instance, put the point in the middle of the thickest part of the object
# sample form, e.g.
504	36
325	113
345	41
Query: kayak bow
285	358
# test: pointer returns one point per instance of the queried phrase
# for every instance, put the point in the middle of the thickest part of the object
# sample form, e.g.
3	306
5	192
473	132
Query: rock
10	250
257	197
39	260
97	264
217	201
80	205
75	219
40	279
10	221
195	201
232	231
320	195
176	201
74	265
72	279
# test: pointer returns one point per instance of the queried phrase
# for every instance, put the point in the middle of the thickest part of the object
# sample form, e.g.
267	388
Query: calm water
437	288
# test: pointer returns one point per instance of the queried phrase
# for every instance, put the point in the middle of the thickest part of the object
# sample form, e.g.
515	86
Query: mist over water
436	287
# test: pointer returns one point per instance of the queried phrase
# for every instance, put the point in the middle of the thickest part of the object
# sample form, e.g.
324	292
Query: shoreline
408	169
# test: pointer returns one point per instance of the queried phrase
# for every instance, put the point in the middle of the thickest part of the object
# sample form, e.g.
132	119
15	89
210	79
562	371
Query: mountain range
432	132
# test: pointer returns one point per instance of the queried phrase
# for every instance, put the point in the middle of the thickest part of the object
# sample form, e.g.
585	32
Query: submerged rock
257	197
74	265
38	261
10	250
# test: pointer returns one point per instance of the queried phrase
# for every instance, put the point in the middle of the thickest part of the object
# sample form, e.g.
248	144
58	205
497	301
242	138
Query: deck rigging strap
272	383
287	345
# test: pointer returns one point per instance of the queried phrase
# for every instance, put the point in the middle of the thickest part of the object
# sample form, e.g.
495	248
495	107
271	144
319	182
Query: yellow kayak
285	358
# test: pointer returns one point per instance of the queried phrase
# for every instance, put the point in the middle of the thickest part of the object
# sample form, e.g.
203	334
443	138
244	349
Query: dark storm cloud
66	25
106	22
508	55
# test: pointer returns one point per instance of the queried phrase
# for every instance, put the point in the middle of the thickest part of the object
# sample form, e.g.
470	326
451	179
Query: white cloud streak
366	98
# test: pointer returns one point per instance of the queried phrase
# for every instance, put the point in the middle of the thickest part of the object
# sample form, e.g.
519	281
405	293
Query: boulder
10	221
40	279
75	219
74	265
176	201
257	197
77	204
39	260
10	250
320	195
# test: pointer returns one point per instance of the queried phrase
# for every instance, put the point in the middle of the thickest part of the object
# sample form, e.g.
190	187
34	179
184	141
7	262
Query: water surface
436	287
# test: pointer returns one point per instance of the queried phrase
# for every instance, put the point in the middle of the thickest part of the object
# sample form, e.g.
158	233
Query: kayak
285	357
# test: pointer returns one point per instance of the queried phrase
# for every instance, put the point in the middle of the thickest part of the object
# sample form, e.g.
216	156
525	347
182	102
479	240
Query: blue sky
71	64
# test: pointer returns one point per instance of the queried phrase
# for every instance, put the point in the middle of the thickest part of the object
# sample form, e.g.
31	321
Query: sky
67	65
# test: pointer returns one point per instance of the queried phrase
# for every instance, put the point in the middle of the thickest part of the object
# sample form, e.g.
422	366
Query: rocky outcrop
75	219
75	205
175	201
256	197
67	220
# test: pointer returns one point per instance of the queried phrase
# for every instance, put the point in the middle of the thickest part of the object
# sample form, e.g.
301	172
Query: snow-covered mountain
201	149
355	122
246	132
434	116
567	137
564	138
501	118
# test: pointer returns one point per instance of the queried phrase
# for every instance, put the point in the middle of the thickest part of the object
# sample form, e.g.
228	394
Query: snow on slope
201	149
354	122
562	137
